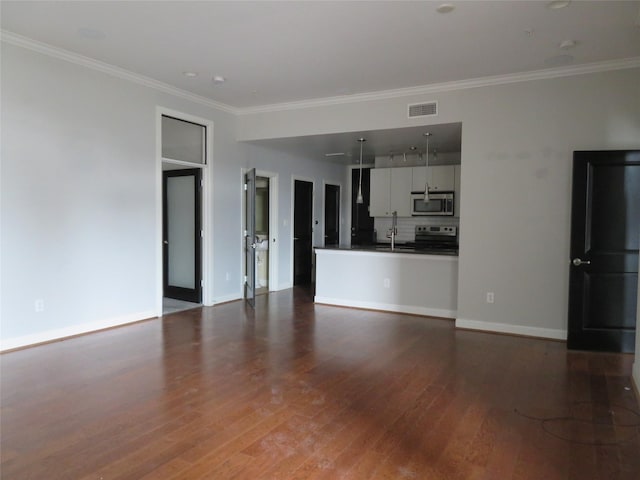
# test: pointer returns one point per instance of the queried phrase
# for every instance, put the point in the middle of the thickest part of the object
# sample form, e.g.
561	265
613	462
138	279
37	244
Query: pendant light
359	198
426	171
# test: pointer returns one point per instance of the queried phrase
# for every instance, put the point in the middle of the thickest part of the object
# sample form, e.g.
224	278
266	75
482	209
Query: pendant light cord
426	171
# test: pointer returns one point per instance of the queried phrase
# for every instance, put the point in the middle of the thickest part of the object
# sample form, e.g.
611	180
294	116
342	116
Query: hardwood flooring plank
297	391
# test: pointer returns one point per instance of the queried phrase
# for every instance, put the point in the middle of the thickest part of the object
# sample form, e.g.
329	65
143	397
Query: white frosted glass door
182	234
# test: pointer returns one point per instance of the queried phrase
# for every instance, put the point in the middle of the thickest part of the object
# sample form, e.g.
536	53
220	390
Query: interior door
605	236
331	214
182	241
302	232
250	237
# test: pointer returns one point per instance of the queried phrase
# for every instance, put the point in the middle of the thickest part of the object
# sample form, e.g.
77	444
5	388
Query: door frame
206	203
292	219
324	207
274	238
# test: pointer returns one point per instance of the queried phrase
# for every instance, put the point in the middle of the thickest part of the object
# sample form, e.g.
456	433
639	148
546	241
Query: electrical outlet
387	283
39	305
490	297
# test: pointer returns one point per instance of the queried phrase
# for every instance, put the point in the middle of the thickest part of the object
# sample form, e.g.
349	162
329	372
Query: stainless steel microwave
439	204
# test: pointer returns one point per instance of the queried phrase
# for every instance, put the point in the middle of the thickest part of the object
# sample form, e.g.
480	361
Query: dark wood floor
303	391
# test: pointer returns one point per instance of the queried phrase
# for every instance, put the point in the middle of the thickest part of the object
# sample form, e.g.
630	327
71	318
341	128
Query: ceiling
272	53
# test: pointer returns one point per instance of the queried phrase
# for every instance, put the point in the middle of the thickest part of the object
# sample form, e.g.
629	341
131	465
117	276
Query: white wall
79	191
517	144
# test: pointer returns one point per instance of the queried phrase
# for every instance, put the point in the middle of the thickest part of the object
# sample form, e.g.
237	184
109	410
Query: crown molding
625	63
66	55
550	73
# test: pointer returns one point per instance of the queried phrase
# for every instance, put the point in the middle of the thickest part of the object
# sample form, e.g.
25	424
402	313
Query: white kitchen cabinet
390	191
380	198
440	177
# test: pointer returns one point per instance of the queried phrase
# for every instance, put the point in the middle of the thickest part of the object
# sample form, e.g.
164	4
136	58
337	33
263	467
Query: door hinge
245	279
246	233
202	183
246	187
201	233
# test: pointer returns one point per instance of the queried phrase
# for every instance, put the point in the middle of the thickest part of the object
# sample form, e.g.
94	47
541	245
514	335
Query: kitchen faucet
393	231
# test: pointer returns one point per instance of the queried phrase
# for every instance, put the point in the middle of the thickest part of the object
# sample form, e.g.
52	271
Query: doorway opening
183	146
302	232
362	224
331	214
181	239
262	208
259	233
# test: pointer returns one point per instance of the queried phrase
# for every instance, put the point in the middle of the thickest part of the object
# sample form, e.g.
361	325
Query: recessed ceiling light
190	74
91	33
558	4
445	8
219	79
567	44
334	154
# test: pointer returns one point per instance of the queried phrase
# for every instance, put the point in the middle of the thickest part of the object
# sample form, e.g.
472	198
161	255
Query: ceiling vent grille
423	109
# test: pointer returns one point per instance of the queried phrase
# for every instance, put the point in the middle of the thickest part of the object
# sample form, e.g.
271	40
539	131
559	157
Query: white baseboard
389	307
228	298
556	334
60	333
284	286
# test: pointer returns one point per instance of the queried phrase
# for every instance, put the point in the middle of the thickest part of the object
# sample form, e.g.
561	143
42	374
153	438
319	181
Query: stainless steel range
437	237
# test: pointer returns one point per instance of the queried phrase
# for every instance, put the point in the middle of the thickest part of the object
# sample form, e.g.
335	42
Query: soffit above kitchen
244	55
344	148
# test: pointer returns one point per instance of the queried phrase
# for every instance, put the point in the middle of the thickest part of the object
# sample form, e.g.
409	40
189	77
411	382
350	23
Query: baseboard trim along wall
388	307
552	333
62	333
228	298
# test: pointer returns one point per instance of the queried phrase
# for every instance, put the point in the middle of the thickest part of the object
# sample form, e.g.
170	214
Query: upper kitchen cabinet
390	191
440	178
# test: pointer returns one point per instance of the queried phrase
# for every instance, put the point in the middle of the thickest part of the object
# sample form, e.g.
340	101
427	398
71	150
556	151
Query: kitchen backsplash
407	226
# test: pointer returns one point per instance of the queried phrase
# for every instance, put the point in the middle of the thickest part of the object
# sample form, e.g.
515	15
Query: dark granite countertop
399	248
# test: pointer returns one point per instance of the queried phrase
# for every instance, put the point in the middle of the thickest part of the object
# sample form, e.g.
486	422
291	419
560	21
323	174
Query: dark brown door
182	234
331	214
302	232
605	232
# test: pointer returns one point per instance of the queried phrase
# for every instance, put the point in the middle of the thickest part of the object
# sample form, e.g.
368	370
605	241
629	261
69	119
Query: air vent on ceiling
423	109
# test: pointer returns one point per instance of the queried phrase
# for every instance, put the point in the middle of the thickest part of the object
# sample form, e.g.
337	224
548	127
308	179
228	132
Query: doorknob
578	261
166	242
296	238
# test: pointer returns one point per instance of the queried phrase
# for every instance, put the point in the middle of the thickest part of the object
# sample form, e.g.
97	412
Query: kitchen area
405	230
